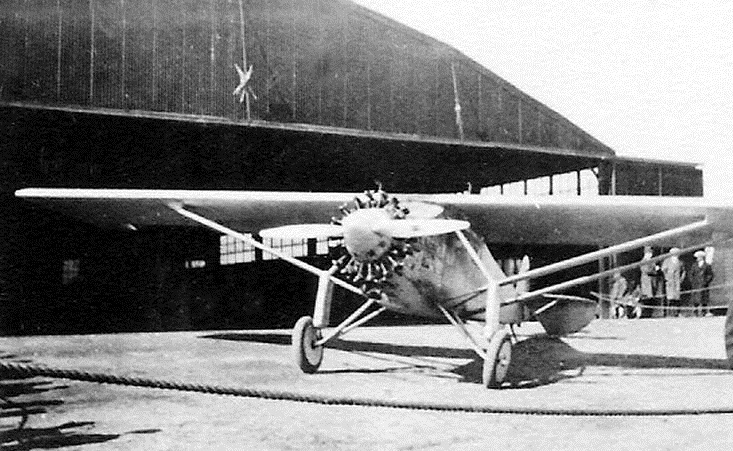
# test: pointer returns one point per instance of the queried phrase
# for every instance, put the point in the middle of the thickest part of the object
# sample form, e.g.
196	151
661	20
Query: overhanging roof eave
320	129
656	162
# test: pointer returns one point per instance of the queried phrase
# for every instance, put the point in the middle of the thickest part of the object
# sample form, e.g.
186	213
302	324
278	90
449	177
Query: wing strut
592	256
585	279
456	321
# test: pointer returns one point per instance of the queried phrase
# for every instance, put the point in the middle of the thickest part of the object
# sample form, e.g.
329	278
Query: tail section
562	314
559	314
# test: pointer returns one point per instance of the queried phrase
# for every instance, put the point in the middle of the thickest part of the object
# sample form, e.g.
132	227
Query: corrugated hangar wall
326	62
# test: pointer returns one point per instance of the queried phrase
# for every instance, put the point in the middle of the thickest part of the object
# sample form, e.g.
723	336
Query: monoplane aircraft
422	254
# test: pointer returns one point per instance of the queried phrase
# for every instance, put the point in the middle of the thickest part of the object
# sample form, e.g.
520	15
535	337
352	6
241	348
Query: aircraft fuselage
441	272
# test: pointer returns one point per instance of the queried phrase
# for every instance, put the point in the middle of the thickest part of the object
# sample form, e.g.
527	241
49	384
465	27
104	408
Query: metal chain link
28	370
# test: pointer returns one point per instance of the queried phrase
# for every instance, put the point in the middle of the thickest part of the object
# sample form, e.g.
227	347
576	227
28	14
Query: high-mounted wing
602	220
599	220
242	210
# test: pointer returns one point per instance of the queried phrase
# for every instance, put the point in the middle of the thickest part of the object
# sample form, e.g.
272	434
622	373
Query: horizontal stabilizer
415	228
562	315
303	231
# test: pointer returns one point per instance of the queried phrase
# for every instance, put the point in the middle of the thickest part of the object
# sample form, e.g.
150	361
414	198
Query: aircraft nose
360	239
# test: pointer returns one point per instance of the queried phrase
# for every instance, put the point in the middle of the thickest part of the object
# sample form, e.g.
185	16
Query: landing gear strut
308	342
497	360
498	354
308	355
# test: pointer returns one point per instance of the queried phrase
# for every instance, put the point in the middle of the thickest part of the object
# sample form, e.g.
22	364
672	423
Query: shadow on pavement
536	361
276	339
355	346
543	360
17	436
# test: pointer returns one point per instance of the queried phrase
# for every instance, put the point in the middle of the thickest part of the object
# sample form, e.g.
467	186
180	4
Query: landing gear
308	355
498	356
308	342
497	360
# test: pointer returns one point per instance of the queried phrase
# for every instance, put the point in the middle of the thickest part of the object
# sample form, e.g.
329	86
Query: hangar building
139	94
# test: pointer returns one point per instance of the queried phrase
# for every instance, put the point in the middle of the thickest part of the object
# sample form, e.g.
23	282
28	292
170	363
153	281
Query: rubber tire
498	359
729	334
307	357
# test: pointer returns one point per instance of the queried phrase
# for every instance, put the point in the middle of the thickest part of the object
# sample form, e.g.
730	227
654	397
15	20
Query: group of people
661	286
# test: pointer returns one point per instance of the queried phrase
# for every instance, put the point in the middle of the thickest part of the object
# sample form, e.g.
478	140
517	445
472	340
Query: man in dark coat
700	275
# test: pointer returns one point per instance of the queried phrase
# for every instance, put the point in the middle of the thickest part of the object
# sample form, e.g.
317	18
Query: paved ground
614	364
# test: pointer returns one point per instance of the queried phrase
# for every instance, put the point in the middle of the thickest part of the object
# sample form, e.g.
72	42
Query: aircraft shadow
21	437
536	361
356	346
543	360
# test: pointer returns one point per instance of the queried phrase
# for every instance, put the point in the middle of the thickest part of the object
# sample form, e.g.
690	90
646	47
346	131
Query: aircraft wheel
307	355
729	335
498	359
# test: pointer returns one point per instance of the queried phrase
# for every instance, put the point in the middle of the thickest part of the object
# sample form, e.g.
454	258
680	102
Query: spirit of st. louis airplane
423	254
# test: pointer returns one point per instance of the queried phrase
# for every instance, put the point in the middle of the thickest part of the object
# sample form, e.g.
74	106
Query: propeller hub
372	251
360	237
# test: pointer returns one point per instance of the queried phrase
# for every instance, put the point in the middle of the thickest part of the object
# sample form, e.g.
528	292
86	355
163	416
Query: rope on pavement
29	370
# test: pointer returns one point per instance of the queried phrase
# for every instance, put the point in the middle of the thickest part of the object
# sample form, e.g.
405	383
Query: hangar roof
326	63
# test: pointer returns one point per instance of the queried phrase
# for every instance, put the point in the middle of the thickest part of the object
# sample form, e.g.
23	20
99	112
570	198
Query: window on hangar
583	182
195	264
292	248
233	251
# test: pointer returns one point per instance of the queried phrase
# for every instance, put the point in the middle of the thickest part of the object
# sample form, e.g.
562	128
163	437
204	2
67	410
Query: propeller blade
422	210
303	231
414	228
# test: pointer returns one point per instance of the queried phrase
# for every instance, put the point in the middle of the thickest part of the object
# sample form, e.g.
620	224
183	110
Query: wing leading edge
596	221
601	220
242	210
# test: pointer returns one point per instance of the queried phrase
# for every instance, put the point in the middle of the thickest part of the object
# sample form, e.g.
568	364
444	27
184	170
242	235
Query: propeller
393	228
416	228
378	233
303	231
422	210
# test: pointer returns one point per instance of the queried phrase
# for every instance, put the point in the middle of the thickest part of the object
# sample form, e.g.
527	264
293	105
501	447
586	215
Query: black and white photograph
366	225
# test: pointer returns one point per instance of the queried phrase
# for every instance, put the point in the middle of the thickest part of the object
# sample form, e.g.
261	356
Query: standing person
618	291
701	274
648	285
674	273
